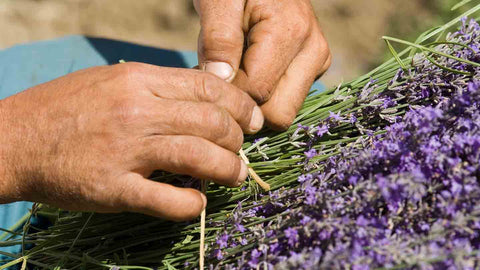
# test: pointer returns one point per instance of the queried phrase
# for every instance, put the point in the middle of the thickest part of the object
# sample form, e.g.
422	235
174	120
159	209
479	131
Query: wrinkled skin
285	51
88	140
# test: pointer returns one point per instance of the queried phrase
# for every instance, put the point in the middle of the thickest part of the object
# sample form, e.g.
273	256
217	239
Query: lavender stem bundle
378	173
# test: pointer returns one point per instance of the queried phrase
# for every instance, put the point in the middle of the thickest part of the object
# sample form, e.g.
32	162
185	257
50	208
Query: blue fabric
27	65
24	66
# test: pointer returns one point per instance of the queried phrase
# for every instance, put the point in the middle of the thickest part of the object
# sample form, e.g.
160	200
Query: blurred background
353	28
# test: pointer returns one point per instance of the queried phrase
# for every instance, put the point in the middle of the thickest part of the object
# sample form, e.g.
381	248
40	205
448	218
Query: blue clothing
27	65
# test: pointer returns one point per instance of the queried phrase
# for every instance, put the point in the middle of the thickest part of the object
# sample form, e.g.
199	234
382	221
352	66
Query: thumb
138	194
220	44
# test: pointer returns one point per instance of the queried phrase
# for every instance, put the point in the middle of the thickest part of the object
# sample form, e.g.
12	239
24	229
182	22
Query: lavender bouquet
379	173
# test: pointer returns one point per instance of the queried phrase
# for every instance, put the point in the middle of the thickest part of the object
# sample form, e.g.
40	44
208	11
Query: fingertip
256	121
279	121
159	199
204	200
221	69
193	207
243	174
190	205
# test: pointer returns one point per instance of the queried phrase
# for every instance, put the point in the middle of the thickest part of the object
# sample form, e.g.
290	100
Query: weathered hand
285	51
86	141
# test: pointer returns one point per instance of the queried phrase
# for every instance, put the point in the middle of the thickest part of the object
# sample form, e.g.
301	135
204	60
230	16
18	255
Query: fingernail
223	70
204	199
256	122
243	174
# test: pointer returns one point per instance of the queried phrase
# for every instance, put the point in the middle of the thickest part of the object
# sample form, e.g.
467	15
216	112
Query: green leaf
169	266
447	68
395	55
423	48
12	263
420	39
462	3
187	240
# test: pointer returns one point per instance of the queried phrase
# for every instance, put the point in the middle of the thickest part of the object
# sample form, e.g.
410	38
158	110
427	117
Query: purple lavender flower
335	116
406	196
322	130
311	153
292	235
360	267
388	102
223	240
217	253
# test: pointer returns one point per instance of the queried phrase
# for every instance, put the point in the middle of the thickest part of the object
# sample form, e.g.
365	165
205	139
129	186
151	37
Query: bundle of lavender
381	172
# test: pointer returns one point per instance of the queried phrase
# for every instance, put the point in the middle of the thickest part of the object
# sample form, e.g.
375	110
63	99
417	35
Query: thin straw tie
253	174
204	185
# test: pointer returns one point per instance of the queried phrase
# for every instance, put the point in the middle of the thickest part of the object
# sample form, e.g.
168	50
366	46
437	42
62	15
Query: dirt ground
353	28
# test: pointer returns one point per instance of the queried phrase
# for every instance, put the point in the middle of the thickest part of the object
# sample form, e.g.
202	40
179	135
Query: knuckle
128	75
126	111
221	36
300	27
322	51
320	43
191	155
263	90
223	130
219	121
238	141
204	88
326	56
130	69
245	106
327	64
323	48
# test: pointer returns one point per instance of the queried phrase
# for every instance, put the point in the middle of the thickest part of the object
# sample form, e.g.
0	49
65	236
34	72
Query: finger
134	193
273	42
294	85
129	192
220	43
196	157
194	85
200	119
326	65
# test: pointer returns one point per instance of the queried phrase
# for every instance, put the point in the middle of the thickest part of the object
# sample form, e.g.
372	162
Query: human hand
86	141
285	51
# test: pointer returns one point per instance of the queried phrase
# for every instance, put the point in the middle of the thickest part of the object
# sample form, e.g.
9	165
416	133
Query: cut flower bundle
381	172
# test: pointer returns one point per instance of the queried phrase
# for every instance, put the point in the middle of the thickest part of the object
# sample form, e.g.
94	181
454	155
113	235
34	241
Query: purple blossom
240	227
292	235
335	116
322	130
305	177
362	221
217	253
388	102
360	267
223	240
409	193
353	119
311	153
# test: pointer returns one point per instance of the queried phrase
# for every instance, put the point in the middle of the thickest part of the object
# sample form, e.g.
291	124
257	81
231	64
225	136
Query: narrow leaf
462	3
395	55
